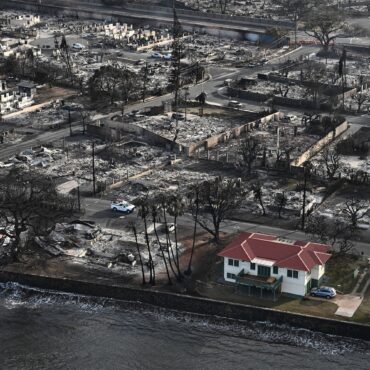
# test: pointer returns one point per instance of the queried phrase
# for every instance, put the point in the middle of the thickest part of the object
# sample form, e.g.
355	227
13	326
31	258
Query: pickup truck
122	206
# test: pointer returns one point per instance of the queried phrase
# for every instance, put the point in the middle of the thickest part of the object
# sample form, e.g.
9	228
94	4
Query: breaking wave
14	295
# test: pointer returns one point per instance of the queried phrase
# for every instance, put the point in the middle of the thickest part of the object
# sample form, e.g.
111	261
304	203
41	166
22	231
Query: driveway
347	304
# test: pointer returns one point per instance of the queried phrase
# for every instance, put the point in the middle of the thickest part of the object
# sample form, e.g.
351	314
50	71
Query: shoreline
189	304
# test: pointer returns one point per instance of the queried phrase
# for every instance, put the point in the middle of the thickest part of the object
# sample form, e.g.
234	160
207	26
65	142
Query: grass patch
363	282
362	315
296	305
309	307
340	272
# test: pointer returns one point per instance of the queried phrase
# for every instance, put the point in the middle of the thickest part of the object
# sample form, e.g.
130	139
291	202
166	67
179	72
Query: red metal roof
298	255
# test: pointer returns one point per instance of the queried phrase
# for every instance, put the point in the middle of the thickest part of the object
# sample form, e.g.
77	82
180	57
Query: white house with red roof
269	262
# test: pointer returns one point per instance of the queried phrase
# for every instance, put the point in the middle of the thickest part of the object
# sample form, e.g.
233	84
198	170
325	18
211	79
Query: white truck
121	206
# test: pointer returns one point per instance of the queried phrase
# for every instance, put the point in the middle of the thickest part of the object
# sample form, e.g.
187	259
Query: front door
264	271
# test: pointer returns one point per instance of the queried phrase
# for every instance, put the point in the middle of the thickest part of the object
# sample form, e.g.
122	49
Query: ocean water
48	330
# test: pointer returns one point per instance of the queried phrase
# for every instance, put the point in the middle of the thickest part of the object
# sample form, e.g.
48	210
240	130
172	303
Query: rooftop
298	255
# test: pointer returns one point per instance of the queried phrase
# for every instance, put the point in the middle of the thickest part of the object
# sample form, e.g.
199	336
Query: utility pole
303	220
69	121
306	169
78	195
93	167
342	72
122	109
145	80
186	102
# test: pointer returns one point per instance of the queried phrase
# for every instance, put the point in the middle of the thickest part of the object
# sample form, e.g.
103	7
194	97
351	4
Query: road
45	137
98	210
210	87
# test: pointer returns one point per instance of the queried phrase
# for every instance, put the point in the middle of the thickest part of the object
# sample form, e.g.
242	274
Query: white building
11	99
269	263
6	97
24	21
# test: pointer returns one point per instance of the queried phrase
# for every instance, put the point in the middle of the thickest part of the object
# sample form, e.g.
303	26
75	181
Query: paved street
45	137
98	210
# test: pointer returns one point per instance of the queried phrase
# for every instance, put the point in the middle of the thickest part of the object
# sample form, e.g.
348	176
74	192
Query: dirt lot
53	93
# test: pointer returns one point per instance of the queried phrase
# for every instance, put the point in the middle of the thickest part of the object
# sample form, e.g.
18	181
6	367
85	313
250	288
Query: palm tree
143	205
133	226
194	203
154	212
176	207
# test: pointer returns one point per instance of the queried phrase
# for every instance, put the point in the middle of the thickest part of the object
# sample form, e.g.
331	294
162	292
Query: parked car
78	46
324	292
157	55
122	207
234	104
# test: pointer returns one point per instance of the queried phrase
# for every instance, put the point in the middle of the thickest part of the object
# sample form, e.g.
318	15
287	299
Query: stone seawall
190	304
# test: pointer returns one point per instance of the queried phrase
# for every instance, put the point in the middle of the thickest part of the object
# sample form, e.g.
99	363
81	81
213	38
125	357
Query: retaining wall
314	149
248	95
189	150
190	304
223	137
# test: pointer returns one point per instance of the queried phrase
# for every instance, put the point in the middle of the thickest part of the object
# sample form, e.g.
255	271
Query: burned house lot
143	151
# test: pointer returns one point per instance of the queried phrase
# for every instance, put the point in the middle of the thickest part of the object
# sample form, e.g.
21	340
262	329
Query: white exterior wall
317	272
24	102
6	97
233	270
293	285
289	285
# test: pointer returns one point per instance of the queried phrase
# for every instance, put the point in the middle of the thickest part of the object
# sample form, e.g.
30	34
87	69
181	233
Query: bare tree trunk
138	251
177	251
161	249
151	265
169	246
188	271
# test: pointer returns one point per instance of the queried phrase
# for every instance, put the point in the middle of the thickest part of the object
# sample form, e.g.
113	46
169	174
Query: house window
253	266
292	274
275	270
230	276
233	262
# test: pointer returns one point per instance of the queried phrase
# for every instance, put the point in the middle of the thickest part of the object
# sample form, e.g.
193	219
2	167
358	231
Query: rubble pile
260	8
48	117
76	161
277	89
159	181
294	195
277	137
193	130
86	243
39	157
